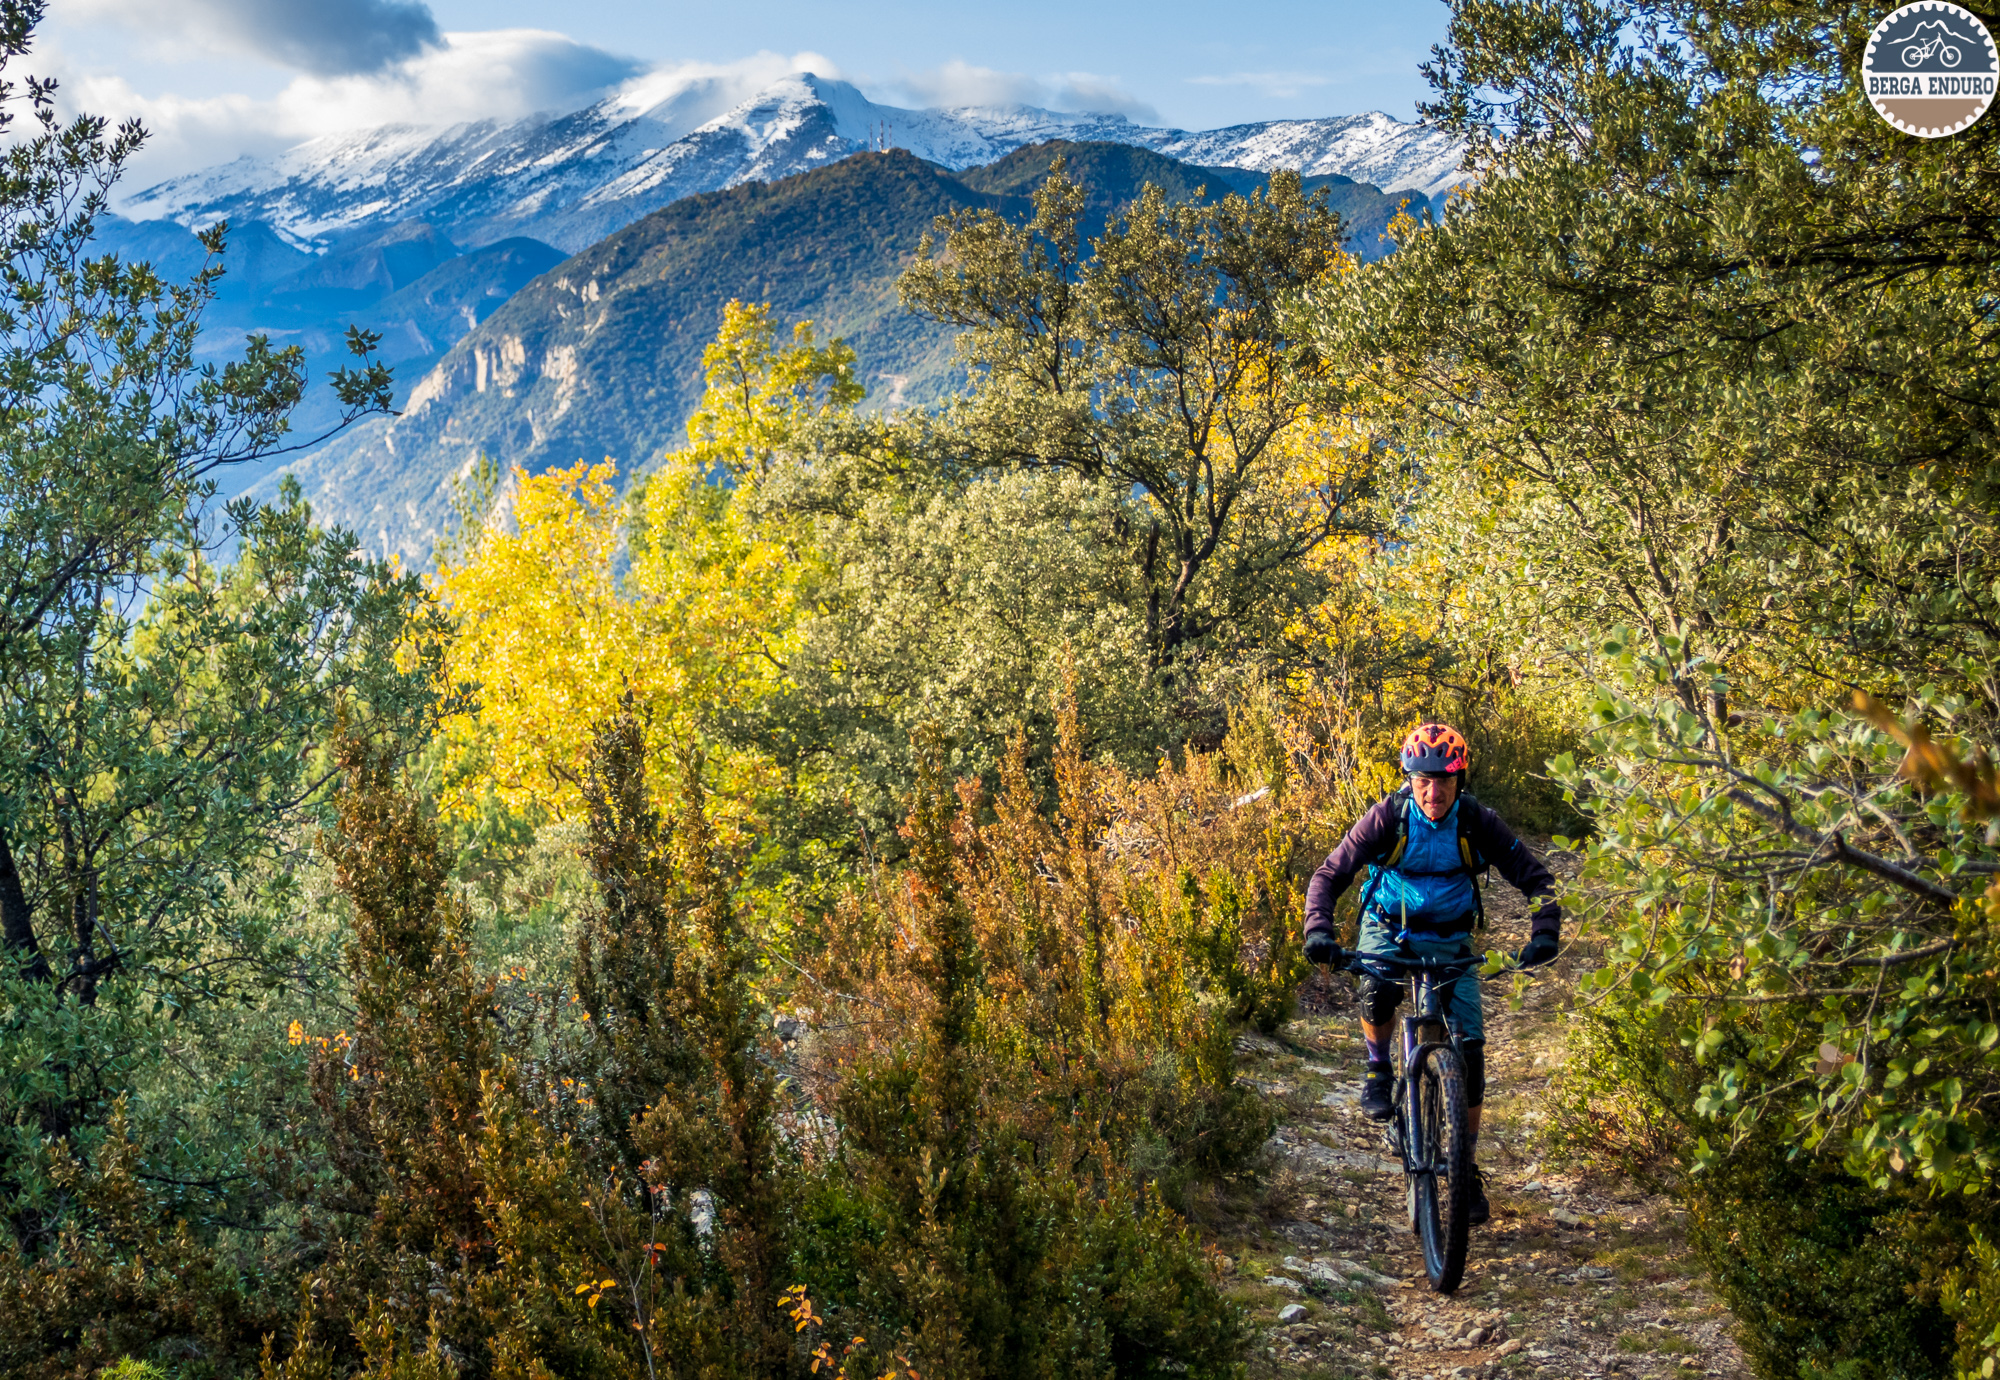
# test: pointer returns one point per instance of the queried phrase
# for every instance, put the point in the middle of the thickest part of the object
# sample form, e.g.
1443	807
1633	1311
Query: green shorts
1462	1008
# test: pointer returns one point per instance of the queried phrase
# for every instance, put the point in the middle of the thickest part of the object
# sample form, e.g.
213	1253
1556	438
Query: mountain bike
1427	1130
1915	54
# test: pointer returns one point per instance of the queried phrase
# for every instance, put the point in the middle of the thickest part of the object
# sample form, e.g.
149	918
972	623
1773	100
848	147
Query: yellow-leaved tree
1404	629
760	393
575	601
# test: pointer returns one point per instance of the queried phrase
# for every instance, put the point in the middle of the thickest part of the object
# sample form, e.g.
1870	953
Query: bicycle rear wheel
1443	1182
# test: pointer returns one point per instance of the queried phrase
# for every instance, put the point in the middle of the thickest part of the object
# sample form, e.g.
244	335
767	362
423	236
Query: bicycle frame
1436	1159
1424	1029
1916	54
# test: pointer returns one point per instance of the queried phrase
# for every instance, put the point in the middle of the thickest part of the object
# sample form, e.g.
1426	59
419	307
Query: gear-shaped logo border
1888	86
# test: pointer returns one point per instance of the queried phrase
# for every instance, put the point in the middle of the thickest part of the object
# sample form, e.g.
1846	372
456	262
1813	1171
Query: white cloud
1101	96
719	85
324	37
959	83
494	74
499	74
1280	84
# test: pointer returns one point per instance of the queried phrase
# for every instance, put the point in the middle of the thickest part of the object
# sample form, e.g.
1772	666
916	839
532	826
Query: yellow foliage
758	394
700	622
550	639
726	592
557	642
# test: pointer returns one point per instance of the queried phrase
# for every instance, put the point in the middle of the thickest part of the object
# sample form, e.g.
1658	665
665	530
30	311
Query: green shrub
1822	1271
988	1220
130	1369
1191	1133
1619	1097
1826	1273
124	1279
1972	1296
1514	734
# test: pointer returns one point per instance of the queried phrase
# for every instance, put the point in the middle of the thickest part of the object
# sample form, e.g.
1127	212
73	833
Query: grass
1323	1370
1647	1258
1374	1313
1661	1342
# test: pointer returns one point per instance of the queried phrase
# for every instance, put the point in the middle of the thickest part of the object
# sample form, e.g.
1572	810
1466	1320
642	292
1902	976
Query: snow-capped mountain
572	179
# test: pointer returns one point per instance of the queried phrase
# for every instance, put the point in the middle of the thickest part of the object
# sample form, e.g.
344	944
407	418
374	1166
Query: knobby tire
1444	1198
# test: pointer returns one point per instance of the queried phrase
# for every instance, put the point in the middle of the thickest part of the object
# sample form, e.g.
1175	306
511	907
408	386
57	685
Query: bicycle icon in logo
1917	54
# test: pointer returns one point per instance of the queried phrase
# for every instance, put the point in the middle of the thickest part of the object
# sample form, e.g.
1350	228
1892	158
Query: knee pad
1472	1053
1379	1000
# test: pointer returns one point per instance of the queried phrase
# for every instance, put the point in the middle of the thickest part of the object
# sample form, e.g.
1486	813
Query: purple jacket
1491	839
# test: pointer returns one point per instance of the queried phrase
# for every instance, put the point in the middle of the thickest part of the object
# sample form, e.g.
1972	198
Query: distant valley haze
541	210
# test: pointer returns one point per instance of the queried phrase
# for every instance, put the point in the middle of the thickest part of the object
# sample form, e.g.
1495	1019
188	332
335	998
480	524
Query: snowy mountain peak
573	178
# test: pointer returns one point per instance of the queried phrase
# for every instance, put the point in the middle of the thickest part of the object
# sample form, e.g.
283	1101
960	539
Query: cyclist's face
1435	793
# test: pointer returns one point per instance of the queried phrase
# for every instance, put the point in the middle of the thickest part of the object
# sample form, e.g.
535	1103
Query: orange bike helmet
1434	748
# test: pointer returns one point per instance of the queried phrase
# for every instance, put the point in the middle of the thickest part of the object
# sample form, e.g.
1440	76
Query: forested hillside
824	895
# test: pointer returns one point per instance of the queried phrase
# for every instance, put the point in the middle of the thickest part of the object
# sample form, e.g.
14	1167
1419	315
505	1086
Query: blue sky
218	78
1198	65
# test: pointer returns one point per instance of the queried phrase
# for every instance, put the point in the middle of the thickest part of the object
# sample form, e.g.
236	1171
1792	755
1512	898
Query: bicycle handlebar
1349	961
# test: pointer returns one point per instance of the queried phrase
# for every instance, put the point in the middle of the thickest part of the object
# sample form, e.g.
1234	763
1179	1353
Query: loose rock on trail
1579	1274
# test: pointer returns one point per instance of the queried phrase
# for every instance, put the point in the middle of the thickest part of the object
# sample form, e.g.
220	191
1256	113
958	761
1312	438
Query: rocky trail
1579	1274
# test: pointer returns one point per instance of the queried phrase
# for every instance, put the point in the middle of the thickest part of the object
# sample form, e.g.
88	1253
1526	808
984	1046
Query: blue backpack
1470	863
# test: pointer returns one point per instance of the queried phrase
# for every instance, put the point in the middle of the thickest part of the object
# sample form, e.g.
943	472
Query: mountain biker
1425	845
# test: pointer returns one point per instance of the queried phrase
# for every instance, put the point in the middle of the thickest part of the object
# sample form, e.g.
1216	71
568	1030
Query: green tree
683	1099
157	769
1705	351
400	1100
1153	359
110	436
948	598
158	714
1143	460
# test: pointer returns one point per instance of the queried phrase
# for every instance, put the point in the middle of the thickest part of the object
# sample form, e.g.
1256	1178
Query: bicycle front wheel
1444	1170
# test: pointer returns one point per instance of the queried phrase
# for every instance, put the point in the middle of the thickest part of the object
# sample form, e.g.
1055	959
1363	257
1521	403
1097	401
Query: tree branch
1867	862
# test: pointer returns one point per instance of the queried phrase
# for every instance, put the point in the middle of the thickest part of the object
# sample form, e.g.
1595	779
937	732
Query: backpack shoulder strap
1475	865
1399	837
1467	807
1392	852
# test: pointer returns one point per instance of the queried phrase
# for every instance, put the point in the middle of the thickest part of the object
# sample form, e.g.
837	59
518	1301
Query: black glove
1538	950
1320	948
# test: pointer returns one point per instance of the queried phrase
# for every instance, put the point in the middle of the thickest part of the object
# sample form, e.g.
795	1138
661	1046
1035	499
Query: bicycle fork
1423	1032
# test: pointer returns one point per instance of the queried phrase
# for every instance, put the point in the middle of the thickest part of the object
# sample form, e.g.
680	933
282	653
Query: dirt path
1575	1276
